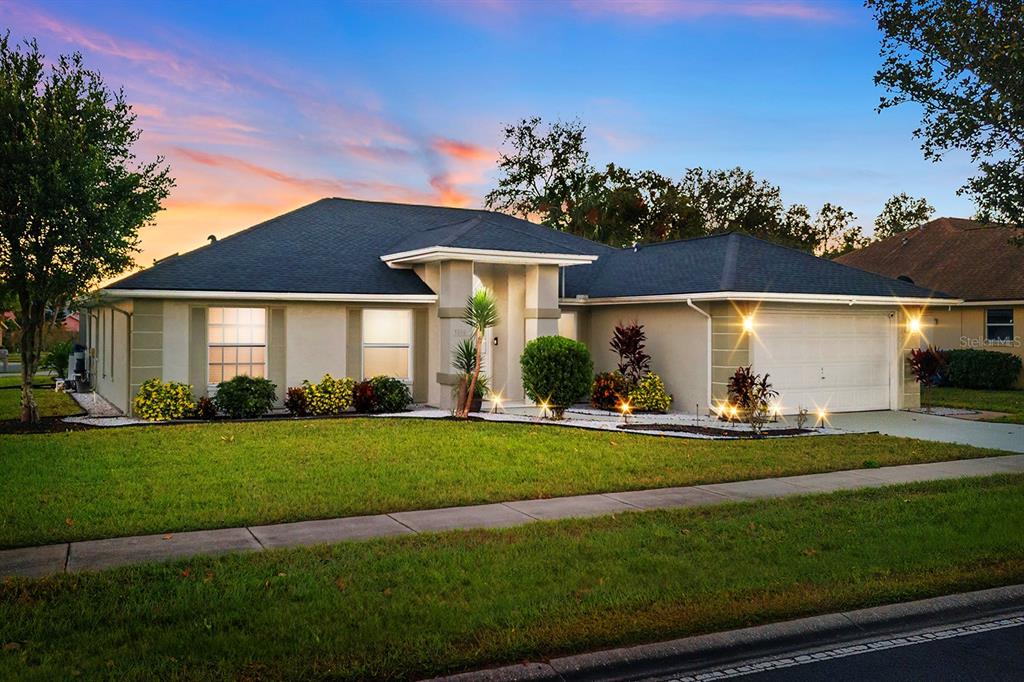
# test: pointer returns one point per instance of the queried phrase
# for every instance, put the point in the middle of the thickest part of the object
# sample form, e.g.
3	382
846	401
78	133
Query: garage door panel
840	360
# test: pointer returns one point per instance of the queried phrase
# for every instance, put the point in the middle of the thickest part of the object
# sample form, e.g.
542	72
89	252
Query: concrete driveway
1008	437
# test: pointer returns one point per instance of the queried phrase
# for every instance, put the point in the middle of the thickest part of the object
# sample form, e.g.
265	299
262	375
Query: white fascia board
433	254
835	299
267	296
1018	301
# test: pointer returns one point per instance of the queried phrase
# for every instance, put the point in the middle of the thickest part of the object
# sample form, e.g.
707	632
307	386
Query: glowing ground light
496	402
822	415
545	409
625	408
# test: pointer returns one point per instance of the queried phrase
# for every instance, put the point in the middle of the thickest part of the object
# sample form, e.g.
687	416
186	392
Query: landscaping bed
127	481
413	607
712	431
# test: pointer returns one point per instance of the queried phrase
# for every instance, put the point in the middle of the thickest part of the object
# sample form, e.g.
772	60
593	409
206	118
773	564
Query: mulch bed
712	431
45	425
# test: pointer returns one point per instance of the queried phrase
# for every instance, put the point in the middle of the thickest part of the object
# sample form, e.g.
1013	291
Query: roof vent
905	241
904	278
212	238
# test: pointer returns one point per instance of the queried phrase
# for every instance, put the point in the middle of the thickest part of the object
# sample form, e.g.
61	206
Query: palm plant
481	314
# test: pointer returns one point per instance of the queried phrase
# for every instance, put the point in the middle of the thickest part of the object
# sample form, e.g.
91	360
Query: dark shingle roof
727	262
971	260
335	245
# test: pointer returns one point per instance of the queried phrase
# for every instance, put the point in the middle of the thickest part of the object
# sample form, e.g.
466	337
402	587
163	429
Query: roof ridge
542	237
728	278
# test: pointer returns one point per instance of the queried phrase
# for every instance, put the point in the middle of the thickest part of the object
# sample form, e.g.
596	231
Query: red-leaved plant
929	365
629	342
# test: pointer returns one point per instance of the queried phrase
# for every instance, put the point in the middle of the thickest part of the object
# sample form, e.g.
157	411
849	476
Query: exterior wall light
914	325
748	324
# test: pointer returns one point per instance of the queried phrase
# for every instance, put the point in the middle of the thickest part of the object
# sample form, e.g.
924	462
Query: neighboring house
967	259
359	288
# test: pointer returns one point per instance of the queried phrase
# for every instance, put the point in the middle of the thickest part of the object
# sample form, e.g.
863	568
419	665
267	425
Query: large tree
72	194
962	61
901	212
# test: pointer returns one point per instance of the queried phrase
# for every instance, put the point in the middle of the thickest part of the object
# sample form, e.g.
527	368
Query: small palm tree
481	314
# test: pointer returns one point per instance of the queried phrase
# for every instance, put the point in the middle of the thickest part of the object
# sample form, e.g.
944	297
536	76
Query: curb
720	649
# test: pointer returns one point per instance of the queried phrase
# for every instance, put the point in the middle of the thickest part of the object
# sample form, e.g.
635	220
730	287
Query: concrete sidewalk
92	555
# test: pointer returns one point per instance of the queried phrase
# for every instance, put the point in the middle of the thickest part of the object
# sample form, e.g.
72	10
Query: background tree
902	212
963	62
72	195
835	232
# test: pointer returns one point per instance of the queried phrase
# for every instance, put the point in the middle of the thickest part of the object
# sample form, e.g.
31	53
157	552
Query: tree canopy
545	174
902	212
72	194
963	63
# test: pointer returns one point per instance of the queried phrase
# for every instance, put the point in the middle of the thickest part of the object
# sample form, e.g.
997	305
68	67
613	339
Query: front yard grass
51	404
424	605
977	399
109	482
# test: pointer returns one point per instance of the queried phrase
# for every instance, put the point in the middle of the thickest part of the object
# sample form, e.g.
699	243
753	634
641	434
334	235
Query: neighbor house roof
970	260
730	262
335	246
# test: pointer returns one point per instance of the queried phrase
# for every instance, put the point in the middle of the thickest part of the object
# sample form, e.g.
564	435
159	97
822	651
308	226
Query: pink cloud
699	9
462	151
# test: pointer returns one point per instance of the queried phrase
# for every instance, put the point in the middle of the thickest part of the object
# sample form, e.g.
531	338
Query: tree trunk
31	331
476	375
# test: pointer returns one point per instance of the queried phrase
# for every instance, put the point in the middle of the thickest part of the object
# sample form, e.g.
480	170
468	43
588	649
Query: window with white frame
999	324
237	339
387	343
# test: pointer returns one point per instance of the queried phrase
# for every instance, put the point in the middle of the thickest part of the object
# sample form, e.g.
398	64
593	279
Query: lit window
387	343
999	324
237	343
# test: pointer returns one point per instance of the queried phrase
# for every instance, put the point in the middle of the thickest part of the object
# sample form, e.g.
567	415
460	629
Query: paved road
986	652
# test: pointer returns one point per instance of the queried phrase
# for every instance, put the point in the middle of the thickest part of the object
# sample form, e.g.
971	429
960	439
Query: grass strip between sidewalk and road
156	479
431	604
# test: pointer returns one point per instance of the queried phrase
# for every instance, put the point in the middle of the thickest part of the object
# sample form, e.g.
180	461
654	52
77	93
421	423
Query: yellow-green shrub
159	401
649	395
330	396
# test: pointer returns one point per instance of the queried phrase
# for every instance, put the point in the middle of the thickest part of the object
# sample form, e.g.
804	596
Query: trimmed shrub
556	370
390	394
245	397
609	389
972	368
296	401
159	401
649	395
204	409
330	396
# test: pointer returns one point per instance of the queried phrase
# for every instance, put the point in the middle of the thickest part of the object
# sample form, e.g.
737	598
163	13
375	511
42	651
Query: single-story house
970	260
360	288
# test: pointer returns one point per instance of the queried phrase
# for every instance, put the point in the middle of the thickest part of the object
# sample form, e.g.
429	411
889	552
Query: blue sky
261	107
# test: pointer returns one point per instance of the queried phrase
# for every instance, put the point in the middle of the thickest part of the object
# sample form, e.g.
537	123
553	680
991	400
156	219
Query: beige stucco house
357	288
977	263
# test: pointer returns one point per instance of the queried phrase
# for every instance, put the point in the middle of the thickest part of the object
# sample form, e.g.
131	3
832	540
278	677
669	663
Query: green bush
390	394
159	401
649	395
330	396
57	358
245	397
556	370
972	368
608	390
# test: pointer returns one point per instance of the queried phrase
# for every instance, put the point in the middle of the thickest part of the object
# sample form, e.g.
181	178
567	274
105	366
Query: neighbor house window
387	343
237	343
999	324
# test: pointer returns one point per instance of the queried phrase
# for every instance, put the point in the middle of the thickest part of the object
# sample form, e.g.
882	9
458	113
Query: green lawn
425	605
15	380
50	404
976	399
108	482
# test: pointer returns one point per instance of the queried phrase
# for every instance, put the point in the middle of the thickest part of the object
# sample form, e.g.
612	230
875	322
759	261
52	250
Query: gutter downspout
689	302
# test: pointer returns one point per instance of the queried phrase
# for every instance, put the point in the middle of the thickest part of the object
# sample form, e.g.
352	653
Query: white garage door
837	361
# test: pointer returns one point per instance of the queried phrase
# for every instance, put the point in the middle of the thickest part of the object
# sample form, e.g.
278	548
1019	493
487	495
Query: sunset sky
262	107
